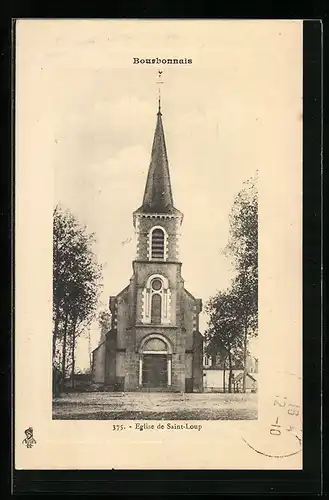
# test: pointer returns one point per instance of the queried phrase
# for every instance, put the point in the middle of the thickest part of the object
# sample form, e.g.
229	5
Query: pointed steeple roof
158	195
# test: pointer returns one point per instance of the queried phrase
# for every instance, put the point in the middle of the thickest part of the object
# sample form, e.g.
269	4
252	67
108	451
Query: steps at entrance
155	389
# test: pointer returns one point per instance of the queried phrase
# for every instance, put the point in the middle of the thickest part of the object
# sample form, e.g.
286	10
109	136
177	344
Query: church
154	343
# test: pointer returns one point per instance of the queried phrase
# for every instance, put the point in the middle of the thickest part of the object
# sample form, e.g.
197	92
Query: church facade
154	343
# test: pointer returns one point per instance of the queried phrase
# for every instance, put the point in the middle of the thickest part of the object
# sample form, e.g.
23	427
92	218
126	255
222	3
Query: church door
155	364
155	370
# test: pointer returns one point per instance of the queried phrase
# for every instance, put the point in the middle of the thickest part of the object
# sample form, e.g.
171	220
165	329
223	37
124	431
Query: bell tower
157	225
157	222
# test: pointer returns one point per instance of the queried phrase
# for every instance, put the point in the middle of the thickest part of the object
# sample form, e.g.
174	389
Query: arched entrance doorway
155	362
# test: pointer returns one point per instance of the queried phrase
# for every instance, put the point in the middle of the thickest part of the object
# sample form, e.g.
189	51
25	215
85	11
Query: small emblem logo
29	441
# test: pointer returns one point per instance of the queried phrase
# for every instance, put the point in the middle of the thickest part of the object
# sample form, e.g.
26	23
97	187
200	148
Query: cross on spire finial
159	93
159	102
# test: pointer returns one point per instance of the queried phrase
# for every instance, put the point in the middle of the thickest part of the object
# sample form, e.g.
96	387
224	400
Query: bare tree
225	330
233	314
76	286
243	250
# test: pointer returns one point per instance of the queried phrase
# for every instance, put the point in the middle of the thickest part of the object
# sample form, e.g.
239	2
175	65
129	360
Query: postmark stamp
279	429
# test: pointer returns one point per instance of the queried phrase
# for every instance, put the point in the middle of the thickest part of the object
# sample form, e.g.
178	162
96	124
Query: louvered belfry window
158	244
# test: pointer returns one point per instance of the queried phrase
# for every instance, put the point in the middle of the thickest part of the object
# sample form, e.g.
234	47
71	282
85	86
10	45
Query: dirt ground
155	406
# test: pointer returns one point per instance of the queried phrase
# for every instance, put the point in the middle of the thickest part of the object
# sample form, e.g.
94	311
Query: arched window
156	309
158	244
156	300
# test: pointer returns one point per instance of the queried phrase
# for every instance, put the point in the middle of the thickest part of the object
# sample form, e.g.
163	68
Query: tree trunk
64	350
55	334
224	373
73	351
89	349
245	357
55	278
230	373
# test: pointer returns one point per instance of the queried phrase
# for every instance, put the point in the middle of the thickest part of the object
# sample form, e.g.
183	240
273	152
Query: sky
217	116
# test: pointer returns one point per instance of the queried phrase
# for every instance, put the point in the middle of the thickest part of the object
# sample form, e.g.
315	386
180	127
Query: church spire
159	101
157	195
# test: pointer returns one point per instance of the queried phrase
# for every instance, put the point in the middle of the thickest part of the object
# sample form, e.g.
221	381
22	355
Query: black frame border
307	481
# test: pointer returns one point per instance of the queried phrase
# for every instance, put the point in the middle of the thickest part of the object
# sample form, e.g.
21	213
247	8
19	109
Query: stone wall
197	362
110	364
98	368
131	362
178	364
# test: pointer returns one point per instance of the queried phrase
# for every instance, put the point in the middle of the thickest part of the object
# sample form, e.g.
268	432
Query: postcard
158	244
